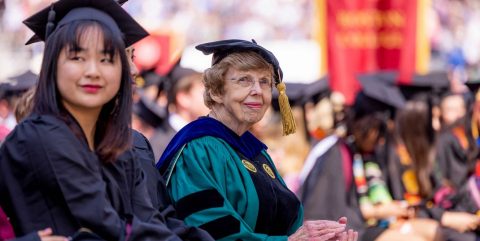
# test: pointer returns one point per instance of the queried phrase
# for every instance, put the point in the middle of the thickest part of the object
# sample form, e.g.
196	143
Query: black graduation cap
148	78
301	93
179	72
316	91
176	79
23	81
434	84
109	12
473	86
149	112
220	49
378	94
295	92
18	84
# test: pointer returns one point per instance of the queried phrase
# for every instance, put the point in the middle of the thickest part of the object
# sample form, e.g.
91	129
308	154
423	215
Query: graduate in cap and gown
10	92
353	165
457	147
185	104
412	171
219	175
326	187
414	176
69	165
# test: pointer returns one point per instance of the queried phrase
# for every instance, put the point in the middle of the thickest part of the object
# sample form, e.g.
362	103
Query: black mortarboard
109	12
220	49
473	86
301	93
295	95
179	72
178	80
434	84
149	112
316	91
21	82
148	78
18	84
378	94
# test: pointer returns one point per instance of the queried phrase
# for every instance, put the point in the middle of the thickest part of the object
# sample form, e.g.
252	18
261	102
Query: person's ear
216	97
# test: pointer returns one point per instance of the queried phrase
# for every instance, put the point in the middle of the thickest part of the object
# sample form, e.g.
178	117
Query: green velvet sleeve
211	189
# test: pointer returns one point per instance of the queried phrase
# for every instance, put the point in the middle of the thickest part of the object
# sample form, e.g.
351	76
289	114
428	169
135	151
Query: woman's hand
460	221
320	230
46	235
349	235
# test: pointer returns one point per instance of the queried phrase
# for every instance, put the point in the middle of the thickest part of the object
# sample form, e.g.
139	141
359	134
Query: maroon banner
364	36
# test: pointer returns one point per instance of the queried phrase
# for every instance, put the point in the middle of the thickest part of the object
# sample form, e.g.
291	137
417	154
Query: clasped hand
324	230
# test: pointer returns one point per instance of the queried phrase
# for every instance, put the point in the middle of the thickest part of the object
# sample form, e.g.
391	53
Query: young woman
69	165
414	174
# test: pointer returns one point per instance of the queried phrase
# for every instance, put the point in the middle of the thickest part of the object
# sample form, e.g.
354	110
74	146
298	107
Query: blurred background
452	27
289	28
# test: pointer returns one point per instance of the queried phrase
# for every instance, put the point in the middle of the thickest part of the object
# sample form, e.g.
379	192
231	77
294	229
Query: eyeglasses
249	82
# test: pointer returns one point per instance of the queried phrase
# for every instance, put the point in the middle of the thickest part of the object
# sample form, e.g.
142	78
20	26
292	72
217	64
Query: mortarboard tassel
50	24
475	132
288	121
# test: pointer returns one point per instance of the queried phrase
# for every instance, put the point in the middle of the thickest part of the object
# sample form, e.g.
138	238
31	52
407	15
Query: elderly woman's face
247	95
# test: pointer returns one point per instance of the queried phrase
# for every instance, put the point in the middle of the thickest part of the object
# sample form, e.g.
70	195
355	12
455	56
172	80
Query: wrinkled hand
319	230
46	235
460	221
349	235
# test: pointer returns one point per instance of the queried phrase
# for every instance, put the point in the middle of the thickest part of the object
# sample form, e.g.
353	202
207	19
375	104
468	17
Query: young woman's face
247	95
88	78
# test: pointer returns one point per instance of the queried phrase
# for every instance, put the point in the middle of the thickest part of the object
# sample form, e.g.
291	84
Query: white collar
176	121
318	150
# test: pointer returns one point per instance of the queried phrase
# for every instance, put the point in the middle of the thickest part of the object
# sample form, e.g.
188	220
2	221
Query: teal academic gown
216	189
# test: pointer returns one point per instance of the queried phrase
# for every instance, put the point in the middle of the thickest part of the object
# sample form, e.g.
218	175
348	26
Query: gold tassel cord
288	121
474	120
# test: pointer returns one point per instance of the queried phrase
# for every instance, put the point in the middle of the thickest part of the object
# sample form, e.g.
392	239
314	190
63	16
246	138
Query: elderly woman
219	175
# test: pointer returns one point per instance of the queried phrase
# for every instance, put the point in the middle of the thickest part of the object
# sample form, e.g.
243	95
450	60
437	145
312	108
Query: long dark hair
415	131
113	135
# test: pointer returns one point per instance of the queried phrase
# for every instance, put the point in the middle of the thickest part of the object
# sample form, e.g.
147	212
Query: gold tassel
475	133
288	121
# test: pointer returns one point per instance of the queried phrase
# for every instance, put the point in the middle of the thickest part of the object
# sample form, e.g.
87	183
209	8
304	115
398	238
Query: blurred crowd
454	37
452	26
379	123
452	31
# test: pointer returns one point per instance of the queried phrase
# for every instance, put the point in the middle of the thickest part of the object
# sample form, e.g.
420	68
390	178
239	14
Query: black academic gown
158	192
452	159
324	194
459	202
50	178
160	139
